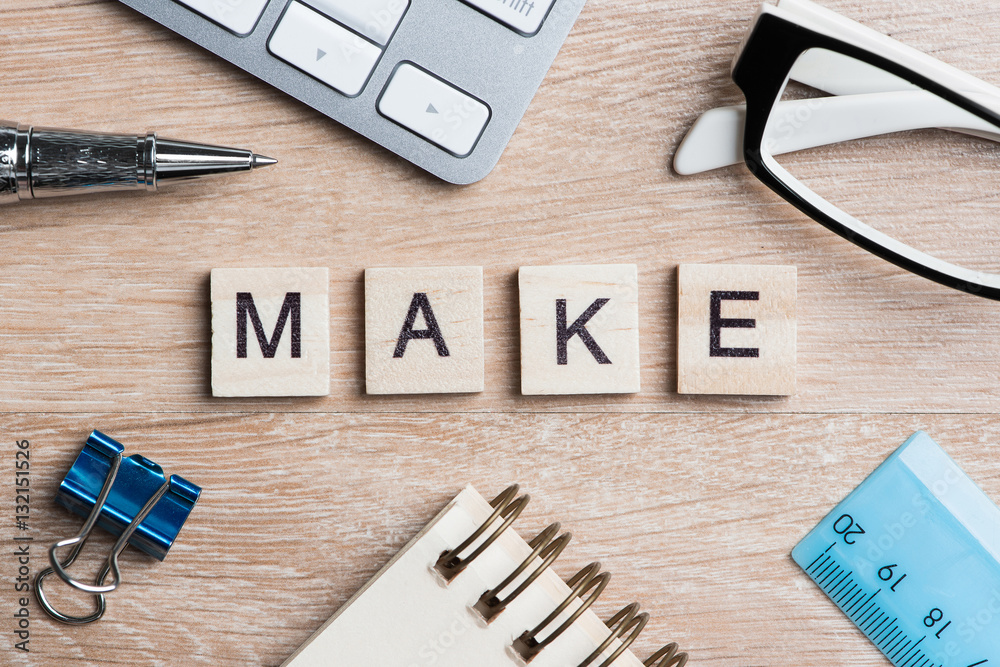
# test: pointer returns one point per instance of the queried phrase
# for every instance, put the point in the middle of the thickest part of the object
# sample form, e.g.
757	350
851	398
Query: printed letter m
291	307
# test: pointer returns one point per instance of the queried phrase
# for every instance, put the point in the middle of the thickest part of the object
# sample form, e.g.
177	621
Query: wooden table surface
693	502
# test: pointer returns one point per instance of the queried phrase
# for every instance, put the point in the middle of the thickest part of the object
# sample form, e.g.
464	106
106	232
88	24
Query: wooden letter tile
424	330
736	329
270	332
579	329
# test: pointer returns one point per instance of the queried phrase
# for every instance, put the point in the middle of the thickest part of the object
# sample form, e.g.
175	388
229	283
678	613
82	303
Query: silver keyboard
442	83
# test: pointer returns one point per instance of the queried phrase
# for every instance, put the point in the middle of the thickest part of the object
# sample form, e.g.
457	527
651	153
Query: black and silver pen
47	162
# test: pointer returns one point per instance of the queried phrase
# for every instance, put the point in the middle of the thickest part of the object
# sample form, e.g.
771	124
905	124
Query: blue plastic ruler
912	556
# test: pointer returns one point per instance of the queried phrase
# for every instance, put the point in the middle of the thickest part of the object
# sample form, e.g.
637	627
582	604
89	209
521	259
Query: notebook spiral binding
587	585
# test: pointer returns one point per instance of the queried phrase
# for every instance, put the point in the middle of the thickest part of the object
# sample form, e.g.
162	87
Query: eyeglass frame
761	69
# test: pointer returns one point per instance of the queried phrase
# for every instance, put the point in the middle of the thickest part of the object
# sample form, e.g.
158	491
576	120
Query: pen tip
262	161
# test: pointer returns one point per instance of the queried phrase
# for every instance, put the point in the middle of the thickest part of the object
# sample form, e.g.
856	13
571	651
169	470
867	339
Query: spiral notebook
468	592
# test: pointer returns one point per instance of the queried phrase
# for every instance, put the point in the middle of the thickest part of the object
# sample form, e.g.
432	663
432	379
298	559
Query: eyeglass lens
936	190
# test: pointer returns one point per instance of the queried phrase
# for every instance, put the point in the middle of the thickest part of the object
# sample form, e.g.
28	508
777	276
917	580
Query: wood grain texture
111	294
695	517
694	502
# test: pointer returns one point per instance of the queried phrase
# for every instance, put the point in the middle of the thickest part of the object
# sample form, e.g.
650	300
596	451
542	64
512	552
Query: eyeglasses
879	87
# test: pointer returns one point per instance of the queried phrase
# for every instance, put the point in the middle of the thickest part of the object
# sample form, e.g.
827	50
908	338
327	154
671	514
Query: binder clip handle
110	509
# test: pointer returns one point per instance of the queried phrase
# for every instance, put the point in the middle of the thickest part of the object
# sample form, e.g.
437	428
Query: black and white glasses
924	199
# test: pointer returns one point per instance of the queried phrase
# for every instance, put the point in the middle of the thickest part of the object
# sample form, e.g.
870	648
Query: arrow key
324	49
434	109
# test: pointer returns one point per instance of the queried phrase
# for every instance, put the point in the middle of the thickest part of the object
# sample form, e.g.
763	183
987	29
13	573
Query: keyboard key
524	16
326	50
375	19
239	16
434	109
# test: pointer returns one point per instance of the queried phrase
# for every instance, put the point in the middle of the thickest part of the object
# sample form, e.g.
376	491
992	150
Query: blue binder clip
129	497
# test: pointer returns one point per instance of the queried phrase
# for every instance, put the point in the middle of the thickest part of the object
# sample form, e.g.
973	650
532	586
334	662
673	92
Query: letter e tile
424	330
579	329
271	332
736	329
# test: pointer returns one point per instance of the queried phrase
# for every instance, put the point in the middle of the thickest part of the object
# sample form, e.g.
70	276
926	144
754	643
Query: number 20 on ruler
912	556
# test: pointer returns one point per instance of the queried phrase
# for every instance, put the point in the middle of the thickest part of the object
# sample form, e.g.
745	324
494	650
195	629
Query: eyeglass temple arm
838	75
838	79
716	139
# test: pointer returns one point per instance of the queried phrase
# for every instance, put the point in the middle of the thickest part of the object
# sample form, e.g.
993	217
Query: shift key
524	16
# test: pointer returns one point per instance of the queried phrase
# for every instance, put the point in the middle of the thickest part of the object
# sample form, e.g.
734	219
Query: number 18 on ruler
912	556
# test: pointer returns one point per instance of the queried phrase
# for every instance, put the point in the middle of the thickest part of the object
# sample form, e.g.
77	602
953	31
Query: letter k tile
579	329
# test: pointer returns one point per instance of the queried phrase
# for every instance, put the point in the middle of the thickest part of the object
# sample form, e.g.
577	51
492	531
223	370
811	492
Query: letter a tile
736	329
270	332
424	330
579	329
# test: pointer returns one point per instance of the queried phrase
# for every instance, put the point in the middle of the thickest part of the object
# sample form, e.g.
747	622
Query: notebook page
406	616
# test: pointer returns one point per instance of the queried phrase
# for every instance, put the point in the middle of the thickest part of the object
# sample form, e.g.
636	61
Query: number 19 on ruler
912	556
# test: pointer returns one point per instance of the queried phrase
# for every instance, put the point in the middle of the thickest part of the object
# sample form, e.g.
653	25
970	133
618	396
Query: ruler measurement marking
841	587
820	556
881	627
894	632
832	575
855	599
837	582
861	600
917	529
845	591
828	575
861	612
885	617
821	573
821	578
914	651
894	642
888	628
849	600
899	647
849	594
889	631
826	563
872	616
866	605
845	588
819	563
843	596
919	641
889	638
